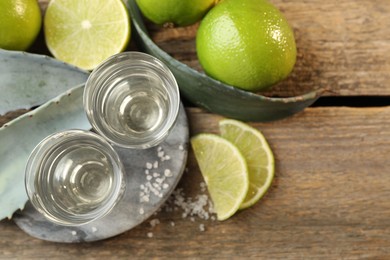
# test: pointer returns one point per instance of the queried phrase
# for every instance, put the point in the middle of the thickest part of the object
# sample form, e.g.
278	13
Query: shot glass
74	177
132	99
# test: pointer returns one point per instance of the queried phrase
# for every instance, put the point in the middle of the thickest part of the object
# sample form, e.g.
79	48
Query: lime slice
257	154
224	171
85	33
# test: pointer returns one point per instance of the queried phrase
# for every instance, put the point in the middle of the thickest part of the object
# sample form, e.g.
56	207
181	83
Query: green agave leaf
214	95
28	80
19	137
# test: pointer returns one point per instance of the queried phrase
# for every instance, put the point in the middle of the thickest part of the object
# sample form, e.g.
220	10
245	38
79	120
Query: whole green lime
246	43
20	23
178	12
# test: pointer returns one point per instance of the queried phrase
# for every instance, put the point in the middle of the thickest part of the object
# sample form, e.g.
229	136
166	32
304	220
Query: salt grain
203	187
181	148
149	165
141	211
160	180
154	222
145	198
201	227
74	233
94	229
155	165
150	234
168	173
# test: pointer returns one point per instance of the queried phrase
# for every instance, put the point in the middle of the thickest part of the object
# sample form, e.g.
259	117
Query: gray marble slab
144	195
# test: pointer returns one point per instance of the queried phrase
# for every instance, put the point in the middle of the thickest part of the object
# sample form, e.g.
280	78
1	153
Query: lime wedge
85	33
224	171
257	154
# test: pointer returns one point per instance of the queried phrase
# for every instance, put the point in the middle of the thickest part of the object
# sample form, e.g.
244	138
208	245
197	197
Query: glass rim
54	141
94	89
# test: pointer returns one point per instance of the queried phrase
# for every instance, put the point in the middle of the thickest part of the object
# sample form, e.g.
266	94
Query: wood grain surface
342	45
330	198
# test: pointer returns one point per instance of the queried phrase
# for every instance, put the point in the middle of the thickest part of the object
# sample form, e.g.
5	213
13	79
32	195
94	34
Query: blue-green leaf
28	80
19	137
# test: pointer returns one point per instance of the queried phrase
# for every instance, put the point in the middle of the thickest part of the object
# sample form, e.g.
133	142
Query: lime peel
20	24
257	153
224	170
238	166
247	44
176	12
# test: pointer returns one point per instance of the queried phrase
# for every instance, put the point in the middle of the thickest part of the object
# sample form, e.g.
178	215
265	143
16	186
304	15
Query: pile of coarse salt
200	207
156	183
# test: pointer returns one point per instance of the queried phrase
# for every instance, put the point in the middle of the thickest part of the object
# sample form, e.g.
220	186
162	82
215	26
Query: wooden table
331	194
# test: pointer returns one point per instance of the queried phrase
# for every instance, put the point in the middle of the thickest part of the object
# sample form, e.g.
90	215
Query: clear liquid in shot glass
137	104
132	99
82	177
74	177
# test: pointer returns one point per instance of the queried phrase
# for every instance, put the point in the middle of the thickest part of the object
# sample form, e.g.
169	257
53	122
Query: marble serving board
152	175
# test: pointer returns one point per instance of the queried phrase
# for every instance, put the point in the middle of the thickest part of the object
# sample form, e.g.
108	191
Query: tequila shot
74	177
132	99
